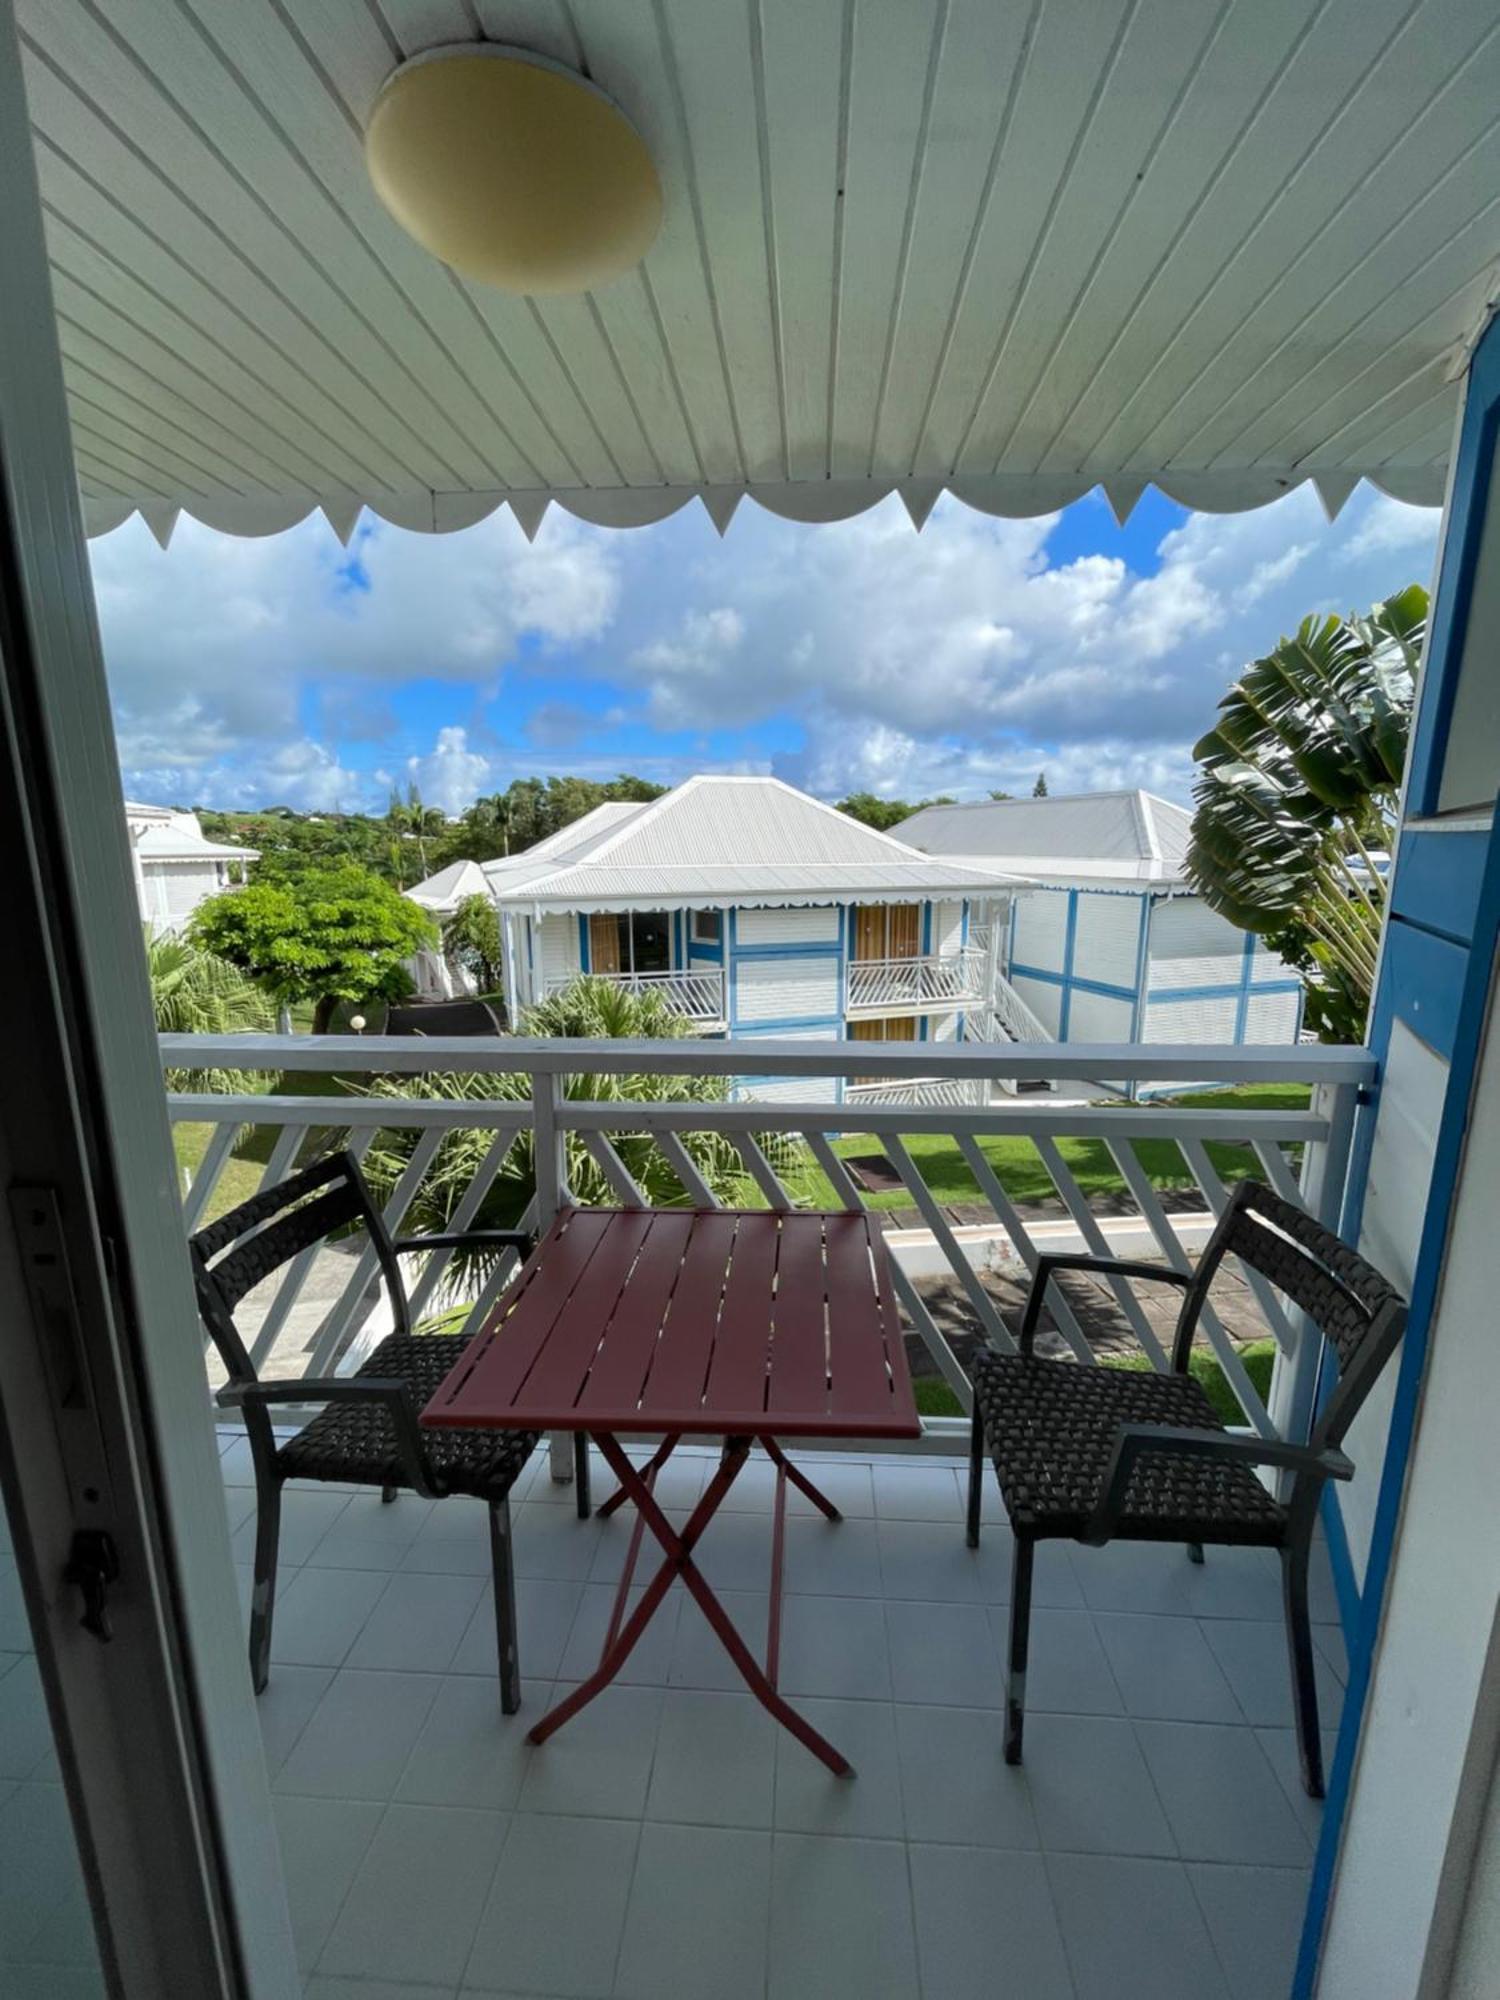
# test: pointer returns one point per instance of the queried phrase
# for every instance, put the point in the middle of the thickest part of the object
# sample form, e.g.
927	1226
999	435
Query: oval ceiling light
512	169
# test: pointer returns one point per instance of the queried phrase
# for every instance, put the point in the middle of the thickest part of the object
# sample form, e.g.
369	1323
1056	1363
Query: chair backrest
248	1243
1359	1312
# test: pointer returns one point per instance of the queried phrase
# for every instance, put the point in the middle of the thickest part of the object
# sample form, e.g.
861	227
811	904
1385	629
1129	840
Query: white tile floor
671	1841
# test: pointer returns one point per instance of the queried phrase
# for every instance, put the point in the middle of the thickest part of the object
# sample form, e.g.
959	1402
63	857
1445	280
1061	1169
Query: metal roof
169	844
166	833
734	840
1086	836
447	889
1011	251
577	835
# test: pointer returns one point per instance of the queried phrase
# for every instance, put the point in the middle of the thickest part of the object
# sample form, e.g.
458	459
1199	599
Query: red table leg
679	1562
799	1479
663	1452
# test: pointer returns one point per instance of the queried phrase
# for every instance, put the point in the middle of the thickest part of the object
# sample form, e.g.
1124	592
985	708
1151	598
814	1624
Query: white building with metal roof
755	910
175	867
1113	946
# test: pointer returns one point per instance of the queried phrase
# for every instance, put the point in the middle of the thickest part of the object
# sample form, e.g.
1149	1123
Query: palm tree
409	819
1298	793
194	992
592	1009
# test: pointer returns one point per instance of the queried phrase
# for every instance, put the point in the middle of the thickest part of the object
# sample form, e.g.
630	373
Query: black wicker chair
1099	1454
367	1431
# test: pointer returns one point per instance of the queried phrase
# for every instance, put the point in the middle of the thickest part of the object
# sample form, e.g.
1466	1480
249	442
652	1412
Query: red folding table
745	1325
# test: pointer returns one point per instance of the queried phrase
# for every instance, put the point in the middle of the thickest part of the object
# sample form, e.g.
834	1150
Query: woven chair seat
356	1442
1050	1427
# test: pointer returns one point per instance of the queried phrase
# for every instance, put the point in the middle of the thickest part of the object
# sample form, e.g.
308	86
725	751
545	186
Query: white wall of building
768	927
1440	1607
557	949
786	989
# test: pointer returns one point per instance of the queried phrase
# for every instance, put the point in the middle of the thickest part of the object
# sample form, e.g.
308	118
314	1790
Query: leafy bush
589	1009
194	992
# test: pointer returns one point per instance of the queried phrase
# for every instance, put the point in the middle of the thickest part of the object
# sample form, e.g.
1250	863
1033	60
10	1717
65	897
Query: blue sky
859	654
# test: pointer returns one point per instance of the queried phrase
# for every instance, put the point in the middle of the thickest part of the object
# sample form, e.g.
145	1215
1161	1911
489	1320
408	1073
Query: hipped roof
731	840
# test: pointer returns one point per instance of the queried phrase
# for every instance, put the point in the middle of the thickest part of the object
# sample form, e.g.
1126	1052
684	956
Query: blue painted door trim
1455	587
1442	991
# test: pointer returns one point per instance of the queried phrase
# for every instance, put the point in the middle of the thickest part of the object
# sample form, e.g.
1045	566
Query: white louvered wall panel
1272	1017
786	989
1044	999
186	888
1041	930
765	927
947	927
1095	1017
1191	1020
559	948
1106	945
1191	945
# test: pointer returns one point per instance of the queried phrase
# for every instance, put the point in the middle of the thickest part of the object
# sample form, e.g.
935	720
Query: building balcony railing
914	985
559	1137
696	994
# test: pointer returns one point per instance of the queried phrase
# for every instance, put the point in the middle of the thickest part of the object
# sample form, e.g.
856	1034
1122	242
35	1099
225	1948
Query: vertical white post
549	1151
1325	1172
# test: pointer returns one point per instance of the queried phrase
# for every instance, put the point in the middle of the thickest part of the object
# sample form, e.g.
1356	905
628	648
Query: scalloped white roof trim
1017	497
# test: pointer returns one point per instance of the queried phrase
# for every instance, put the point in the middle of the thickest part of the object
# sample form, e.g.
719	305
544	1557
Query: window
640	941
708	926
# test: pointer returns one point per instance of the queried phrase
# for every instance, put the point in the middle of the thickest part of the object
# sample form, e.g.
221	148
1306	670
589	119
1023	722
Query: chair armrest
520	1240
392	1393
1122	1267
1133	1439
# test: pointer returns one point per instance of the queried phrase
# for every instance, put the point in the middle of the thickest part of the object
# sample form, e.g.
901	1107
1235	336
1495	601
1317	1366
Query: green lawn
1019	1169
1015	1161
242	1171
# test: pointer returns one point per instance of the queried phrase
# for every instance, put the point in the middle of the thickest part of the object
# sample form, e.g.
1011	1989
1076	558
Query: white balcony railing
928	1090
792	1154
891	985
1005	1016
698	995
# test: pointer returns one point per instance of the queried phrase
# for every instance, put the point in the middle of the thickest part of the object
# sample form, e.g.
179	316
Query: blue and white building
757	911
1112	945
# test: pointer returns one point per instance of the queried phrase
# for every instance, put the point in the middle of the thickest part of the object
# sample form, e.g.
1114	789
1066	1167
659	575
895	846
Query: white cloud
212	645
854	654
960	660
451	775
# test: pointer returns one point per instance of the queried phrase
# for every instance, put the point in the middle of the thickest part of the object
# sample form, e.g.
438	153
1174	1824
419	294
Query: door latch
93	1565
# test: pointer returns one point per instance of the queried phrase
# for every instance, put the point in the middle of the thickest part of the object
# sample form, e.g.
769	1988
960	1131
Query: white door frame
106	1417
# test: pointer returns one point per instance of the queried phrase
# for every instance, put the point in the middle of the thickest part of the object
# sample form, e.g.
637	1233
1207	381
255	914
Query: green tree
1297	794
195	993
410	820
472	936
884	814
1002	795
328	935
1039	789
871	810
590	1009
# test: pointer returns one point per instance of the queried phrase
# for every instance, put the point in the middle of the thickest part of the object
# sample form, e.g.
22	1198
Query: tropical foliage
590	1009
472	937
196	993
1297	793
883	814
412	839
327	935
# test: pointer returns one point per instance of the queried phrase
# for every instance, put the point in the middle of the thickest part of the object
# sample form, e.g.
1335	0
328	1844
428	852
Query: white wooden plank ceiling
1010	247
